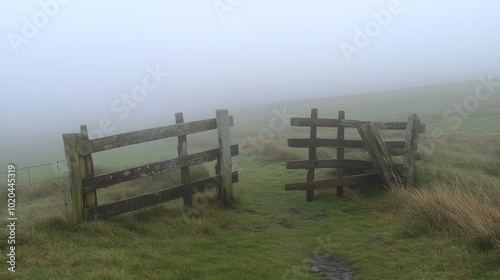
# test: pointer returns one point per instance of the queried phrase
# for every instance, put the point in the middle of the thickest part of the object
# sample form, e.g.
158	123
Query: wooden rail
381	169
309	122
79	149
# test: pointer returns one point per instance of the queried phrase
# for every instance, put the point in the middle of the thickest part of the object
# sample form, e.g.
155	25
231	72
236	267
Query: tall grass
458	192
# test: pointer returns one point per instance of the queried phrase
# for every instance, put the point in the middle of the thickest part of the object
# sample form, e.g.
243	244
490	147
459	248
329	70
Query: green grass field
447	226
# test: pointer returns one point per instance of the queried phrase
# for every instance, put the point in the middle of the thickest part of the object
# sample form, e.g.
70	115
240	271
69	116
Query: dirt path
332	268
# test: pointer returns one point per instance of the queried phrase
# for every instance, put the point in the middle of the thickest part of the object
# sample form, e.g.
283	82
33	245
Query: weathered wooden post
225	165
340	152
79	168
89	198
411	145
378	152
182	151
312	154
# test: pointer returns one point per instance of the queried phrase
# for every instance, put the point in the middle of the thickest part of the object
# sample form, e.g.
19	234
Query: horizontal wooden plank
395	144
331	163
335	182
350	123
396	151
139	202
327	142
346	163
109	179
130	138
324	142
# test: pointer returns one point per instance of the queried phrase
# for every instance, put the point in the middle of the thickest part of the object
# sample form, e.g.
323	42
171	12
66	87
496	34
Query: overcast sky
68	62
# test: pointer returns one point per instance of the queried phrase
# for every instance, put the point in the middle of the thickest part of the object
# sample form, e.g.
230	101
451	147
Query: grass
444	227
458	193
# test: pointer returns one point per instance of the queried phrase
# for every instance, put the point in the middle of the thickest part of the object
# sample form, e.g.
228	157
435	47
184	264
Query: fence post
90	198
225	162
411	144
74	173
340	152
29	177
79	168
312	155
182	151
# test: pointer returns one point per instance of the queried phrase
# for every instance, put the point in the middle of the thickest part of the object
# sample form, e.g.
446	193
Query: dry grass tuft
458	213
458	193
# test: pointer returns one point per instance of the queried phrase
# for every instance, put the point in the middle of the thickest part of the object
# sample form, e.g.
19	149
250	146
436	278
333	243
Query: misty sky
71	62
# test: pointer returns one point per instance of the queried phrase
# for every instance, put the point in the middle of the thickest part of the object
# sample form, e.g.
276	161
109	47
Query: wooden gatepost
380	169
84	184
411	145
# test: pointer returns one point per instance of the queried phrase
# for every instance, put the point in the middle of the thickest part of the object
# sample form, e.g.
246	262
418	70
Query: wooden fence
84	184
380	152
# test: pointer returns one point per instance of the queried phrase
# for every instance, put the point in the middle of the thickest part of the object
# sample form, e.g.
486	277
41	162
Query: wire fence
32	177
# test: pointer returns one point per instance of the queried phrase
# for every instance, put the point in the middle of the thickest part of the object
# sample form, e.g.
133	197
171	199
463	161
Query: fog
66	63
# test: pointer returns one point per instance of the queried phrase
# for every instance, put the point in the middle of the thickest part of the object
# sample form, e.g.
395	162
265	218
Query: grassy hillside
447	226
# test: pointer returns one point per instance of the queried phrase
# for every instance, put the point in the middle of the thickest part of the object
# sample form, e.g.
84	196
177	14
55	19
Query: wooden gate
84	184
380	152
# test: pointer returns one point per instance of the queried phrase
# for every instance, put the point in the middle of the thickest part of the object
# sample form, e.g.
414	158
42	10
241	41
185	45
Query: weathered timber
225	161
334	182
340	152
326	142
378	152
109	179
396	151
182	152
350	123
411	145
74	173
89	198
139	202
401	151
312	155
329	163
323	142
146	135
